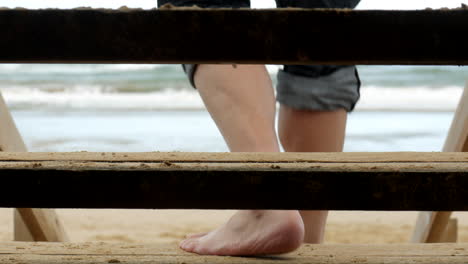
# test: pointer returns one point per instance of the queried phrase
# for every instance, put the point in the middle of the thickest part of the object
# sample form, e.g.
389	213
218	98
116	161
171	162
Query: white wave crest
409	99
96	99
73	68
92	97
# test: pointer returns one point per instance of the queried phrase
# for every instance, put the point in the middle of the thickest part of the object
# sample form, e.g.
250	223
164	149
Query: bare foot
251	233
195	235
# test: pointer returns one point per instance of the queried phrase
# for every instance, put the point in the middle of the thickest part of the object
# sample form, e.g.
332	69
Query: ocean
140	107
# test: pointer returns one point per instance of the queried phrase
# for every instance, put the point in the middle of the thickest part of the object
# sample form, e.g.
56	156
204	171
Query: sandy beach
170	226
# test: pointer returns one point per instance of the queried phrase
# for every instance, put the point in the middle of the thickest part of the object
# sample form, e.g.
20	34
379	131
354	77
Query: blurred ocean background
120	107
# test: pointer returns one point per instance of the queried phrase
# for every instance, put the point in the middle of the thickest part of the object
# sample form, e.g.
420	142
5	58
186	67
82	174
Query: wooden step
100	253
191	35
335	181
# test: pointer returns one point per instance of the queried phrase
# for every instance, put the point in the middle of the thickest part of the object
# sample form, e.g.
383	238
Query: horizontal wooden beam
104	253
279	36
337	181
241	157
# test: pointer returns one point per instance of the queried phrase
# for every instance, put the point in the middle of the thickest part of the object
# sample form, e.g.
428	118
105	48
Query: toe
196	235
188	244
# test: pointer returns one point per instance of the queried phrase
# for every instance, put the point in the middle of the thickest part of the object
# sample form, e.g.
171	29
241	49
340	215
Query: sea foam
98	98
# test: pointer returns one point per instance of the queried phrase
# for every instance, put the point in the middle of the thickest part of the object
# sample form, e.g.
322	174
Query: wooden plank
457	139
432	227
241	157
191	35
20	228
99	253
10	139
451	232
41	224
434	230
434	184
29	224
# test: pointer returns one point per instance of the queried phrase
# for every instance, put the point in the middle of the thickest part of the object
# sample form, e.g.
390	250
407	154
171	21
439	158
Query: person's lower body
314	101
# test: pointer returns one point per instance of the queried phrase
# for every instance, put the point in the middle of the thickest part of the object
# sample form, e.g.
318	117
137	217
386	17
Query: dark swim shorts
308	87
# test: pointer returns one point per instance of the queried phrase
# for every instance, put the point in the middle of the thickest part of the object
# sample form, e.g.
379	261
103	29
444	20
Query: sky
147	4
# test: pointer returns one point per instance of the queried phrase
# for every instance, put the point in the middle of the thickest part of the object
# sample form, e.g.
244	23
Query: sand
170	226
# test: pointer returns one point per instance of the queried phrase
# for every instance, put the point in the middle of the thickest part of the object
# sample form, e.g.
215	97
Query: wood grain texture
97	253
432	227
251	36
438	181
242	157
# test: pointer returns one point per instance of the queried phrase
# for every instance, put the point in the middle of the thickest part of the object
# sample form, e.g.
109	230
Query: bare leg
241	102
312	131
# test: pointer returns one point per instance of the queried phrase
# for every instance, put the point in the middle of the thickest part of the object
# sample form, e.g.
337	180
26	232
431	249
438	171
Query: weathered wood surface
29	224
451	232
39	225
235	36
242	157
97	253
10	138
457	139
432	227
337	181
